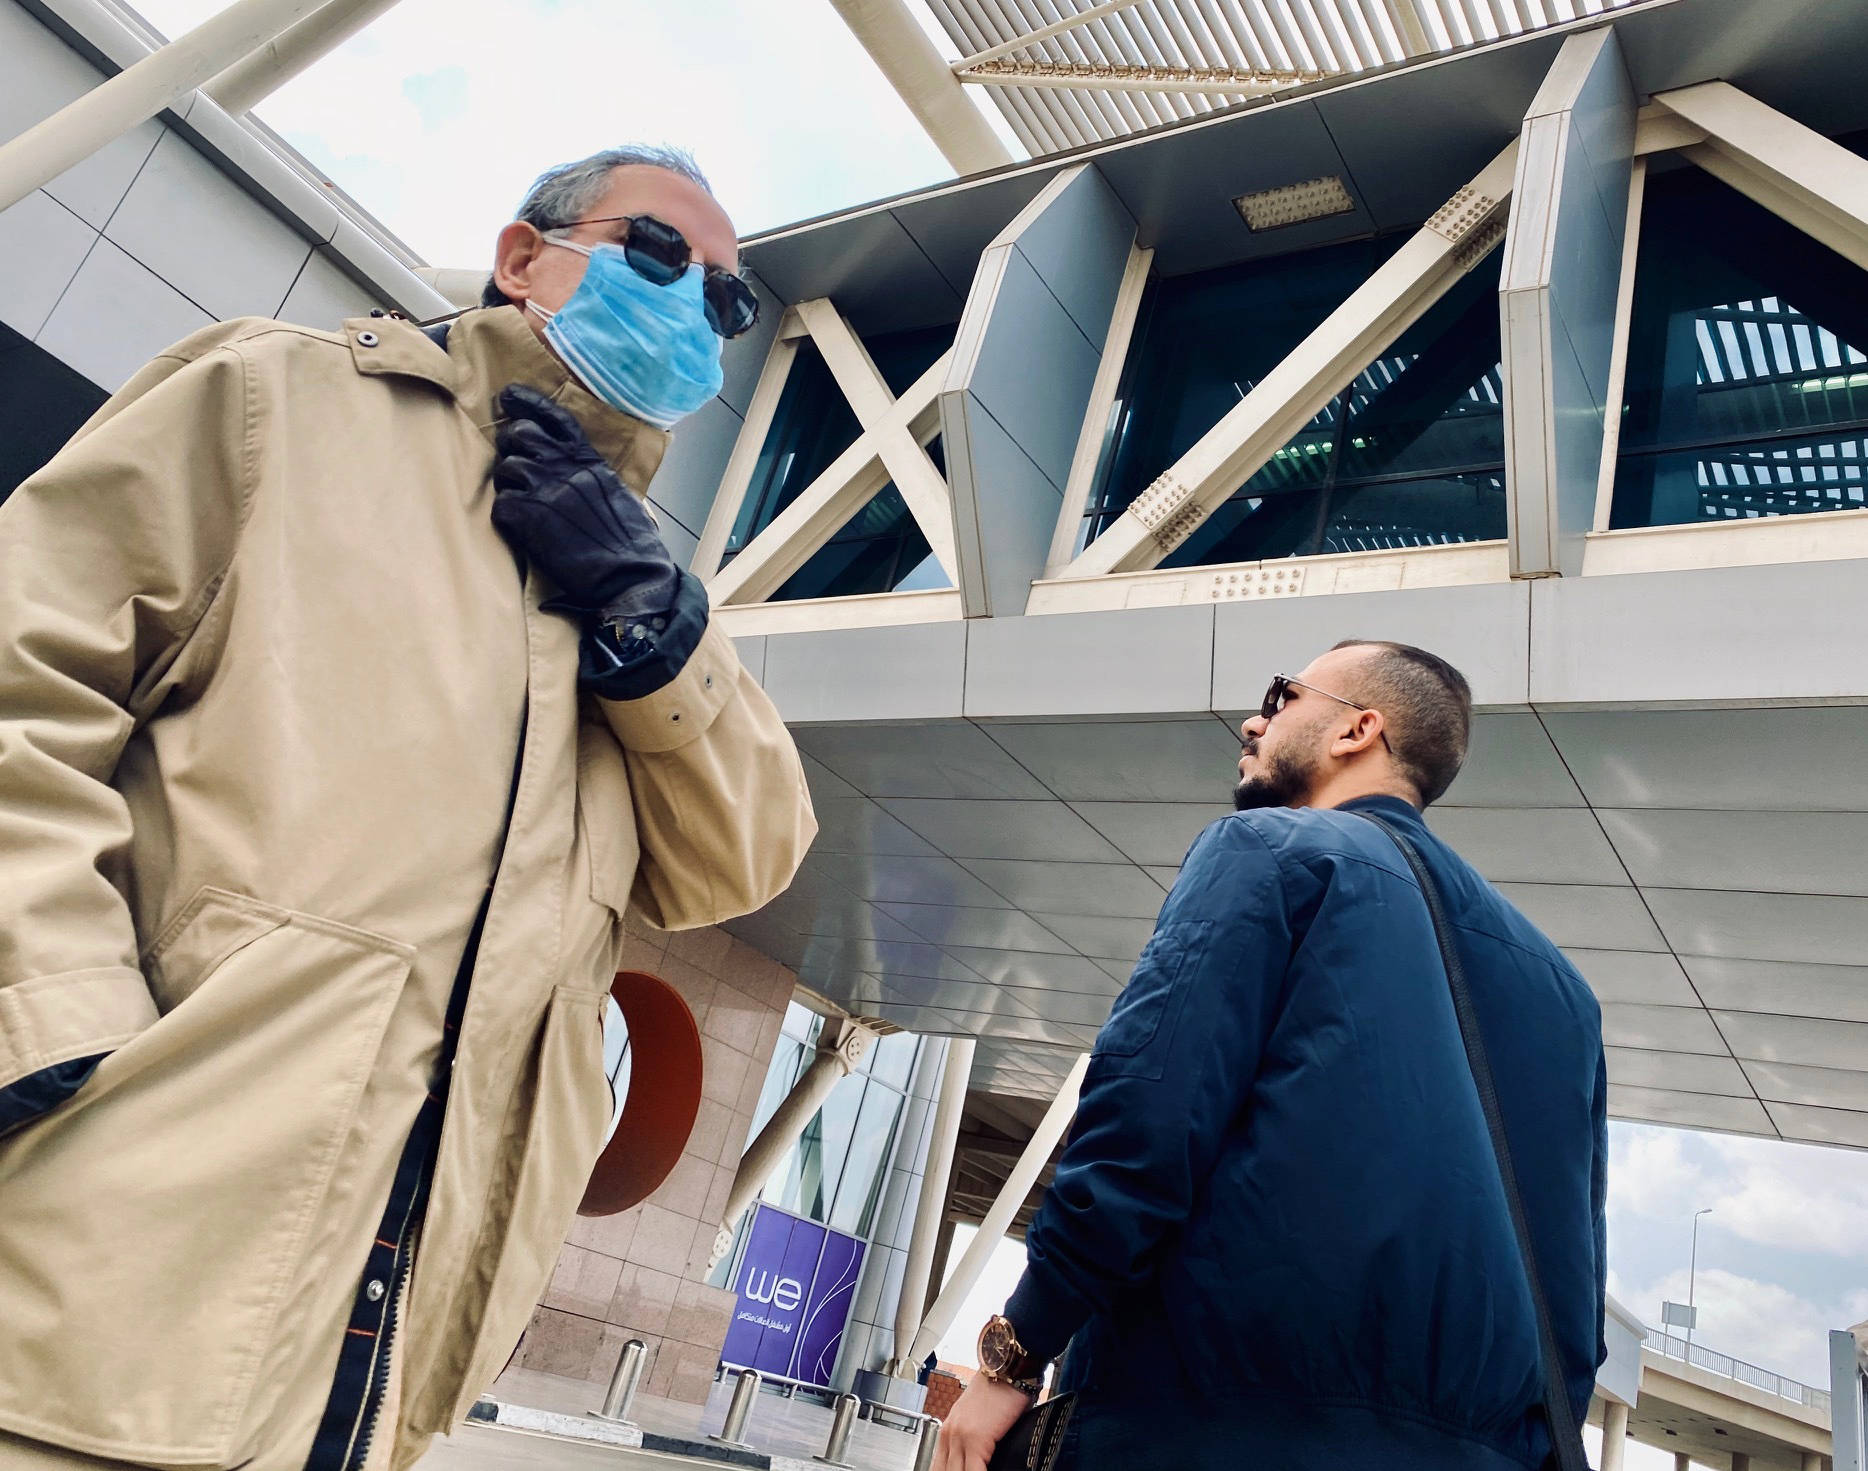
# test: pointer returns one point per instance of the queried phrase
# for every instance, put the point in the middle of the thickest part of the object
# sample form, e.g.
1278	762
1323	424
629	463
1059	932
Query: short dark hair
1427	705
559	195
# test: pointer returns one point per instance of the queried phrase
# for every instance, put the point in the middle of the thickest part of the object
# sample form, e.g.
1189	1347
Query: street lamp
1692	1270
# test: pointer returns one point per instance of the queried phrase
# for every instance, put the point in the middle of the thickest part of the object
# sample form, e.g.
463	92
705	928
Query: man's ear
1364	733
513	256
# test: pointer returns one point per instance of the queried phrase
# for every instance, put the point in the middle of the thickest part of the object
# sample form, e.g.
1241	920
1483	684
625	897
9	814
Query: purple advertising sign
796	1282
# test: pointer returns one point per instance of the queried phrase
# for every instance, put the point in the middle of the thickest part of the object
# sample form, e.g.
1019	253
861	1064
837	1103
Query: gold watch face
997	1345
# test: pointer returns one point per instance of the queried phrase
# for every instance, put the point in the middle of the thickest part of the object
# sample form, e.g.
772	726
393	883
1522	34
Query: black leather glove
558	501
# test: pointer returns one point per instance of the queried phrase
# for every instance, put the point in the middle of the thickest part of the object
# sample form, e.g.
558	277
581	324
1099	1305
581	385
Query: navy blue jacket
1279	1206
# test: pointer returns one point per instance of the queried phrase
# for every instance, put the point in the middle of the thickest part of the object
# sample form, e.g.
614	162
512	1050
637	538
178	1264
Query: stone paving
795	1428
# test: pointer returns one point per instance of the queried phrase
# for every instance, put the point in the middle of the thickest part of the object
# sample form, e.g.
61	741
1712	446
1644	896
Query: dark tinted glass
1411	453
42	404
1747	389
880	549
660	252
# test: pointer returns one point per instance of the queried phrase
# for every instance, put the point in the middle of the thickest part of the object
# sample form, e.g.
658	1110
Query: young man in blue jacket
1277	1237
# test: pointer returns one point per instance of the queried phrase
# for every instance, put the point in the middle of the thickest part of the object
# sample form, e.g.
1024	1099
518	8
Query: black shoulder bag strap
1565	1435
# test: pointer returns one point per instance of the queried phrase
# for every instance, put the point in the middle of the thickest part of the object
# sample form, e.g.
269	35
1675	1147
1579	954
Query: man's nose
1254	727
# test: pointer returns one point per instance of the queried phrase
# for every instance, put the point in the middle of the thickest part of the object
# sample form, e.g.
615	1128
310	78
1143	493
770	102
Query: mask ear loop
544	235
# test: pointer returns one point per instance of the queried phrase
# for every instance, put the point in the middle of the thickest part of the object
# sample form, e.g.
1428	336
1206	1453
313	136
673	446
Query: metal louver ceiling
1065	73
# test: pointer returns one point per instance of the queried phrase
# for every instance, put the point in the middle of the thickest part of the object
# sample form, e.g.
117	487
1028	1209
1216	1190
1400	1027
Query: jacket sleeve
1171	1071
1599	1214
721	804
109	558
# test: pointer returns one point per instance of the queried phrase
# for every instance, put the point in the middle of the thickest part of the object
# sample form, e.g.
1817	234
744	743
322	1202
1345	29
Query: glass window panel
1410	453
806	1183
861	1186
1747	389
800	1023
892	1059
881	547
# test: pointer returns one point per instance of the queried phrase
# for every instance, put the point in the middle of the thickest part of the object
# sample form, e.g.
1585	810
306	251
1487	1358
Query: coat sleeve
110	557
721	804
1170	1073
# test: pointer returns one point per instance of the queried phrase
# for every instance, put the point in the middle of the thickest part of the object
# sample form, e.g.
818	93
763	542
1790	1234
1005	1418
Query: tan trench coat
265	668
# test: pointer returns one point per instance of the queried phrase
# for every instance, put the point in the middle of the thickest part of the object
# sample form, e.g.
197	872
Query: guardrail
1667	1346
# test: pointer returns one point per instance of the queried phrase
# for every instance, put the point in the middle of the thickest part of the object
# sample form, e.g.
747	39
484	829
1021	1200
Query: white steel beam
1792	170
932	1204
1618	363
138	92
746	446
921	78
1405	16
998	1217
1405	286
923	488
257	76
846	485
1043	33
1096	424
1177	80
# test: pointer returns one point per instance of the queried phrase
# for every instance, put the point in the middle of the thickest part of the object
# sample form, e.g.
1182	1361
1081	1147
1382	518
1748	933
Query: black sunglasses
1278	693
658	252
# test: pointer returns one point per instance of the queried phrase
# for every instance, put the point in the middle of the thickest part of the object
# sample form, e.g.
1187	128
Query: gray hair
561	195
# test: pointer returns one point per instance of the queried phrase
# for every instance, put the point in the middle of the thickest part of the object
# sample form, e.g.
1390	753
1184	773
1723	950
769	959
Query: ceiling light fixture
1294	204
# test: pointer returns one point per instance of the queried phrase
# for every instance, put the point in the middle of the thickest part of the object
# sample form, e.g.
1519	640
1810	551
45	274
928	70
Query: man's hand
558	502
977	1423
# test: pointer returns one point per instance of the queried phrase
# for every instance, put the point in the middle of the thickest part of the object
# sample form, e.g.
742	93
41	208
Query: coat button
374	1292
367	339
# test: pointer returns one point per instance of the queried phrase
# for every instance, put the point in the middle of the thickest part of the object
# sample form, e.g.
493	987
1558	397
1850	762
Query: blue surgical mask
641	348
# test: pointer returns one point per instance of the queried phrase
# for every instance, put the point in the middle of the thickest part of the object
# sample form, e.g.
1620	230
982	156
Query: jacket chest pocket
606	817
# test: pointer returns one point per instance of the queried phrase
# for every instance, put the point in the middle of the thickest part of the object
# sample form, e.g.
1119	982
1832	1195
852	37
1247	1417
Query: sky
438	117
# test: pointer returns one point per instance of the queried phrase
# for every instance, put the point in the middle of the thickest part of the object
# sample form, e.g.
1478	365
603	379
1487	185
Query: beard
1283	781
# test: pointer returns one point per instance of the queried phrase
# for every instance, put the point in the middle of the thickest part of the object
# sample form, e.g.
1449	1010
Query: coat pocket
1150	1004
154	1226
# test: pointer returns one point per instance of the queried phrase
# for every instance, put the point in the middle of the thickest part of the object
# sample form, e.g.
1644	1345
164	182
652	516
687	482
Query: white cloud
1760	1322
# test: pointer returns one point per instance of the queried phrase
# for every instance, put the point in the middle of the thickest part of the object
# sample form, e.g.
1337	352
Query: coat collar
489	348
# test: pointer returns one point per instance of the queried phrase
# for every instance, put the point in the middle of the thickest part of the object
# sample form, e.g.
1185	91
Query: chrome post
622	1391
839	1443
927	1444
733	1431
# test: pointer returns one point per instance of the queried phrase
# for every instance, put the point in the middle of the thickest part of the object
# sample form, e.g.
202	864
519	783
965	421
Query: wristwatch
1003	1359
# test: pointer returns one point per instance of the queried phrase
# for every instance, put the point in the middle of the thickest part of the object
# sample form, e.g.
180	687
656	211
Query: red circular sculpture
663	1100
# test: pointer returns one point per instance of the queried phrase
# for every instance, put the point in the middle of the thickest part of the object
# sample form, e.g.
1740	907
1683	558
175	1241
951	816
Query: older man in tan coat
321	802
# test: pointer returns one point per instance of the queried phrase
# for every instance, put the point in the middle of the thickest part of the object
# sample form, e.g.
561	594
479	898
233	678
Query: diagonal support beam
744	460
923	488
1792	170
846	485
1402	289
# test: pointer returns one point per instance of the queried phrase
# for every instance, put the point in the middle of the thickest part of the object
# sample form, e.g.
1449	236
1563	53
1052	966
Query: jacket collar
1385	806
489	348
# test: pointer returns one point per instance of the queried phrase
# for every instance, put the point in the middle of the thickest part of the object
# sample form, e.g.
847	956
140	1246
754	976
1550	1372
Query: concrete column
999	1214
257	76
903	53
838	1052
930	1209
1614	1434
1682	1461
1741	1461
139	92
1812	1461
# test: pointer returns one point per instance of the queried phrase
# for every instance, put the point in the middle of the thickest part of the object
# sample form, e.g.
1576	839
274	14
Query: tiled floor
779	1426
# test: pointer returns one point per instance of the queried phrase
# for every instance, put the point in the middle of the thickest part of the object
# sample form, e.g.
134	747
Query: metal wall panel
1557	298
1025	357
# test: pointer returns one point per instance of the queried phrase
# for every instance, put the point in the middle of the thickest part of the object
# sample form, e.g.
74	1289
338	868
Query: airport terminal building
1532	333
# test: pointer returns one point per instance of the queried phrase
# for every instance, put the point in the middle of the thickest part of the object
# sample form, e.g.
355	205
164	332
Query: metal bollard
623	1382
840	1425
734	1429
928	1443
